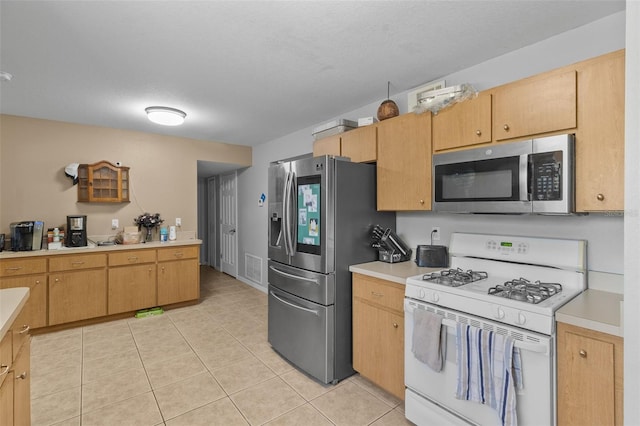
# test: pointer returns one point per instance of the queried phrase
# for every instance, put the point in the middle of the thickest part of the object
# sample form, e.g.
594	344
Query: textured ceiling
247	72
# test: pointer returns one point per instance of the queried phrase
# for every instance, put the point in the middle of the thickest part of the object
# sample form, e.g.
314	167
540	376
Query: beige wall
33	186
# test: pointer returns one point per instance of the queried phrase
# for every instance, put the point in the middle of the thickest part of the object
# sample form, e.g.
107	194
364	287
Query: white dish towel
489	370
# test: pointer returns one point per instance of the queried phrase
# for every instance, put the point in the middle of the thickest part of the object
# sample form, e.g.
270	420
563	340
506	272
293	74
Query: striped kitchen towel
489	370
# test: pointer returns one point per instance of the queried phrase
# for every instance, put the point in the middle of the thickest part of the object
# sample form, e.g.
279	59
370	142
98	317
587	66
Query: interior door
228	224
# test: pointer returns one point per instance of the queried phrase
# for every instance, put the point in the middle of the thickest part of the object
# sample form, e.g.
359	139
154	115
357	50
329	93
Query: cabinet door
22	386
77	295
327	146
132	288
404	163
534	106
464	124
590	377
6	400
378	346
360	144
178	281
34	313
600	136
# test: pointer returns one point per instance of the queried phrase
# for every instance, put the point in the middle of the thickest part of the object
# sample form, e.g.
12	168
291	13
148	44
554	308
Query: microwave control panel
546	176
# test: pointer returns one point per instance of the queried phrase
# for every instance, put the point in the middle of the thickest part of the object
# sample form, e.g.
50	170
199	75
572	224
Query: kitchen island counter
395	272
596	310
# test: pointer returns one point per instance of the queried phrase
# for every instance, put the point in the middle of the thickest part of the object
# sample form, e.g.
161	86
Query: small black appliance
76	234
26	235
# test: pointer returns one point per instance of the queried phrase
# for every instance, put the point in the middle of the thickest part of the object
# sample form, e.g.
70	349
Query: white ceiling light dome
165	115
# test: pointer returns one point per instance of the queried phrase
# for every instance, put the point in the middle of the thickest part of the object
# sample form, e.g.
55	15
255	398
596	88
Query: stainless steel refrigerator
321	213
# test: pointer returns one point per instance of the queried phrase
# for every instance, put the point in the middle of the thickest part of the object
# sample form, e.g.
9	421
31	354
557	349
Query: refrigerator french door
321	212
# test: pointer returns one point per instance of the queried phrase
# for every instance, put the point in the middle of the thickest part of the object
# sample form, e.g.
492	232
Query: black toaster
432	256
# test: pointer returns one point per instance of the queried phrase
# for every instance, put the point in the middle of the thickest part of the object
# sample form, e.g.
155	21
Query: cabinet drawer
132	257
6	356
177	253
12	267
380	292
70	263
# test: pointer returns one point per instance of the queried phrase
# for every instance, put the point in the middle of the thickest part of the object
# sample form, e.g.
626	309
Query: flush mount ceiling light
5	76
165	115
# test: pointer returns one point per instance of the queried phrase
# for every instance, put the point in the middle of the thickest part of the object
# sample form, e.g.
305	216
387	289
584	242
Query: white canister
172	233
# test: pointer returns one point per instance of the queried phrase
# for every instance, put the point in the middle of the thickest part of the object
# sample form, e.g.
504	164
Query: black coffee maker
76	232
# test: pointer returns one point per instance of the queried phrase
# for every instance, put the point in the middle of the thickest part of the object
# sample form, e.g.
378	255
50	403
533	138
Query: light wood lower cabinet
178	275
34	312
378	332
77	295
132	281
590	377
15	376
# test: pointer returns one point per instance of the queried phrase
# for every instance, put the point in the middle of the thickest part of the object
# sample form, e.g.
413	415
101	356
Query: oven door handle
529	347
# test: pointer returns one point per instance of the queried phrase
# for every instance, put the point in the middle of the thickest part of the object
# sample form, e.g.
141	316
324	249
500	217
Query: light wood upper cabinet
535	105
103	182
327	146
590	377
360	144
357	144
463	124
600	135
378	332
404	163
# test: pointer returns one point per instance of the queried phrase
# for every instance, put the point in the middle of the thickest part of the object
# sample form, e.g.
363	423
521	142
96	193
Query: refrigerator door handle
289	214
293	305
296	277
285	214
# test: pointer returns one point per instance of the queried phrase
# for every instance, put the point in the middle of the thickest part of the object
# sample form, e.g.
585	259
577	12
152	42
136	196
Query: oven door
430	395
483	180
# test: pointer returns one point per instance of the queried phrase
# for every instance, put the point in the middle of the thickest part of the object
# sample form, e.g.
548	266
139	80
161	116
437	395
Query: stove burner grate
454	277
525	290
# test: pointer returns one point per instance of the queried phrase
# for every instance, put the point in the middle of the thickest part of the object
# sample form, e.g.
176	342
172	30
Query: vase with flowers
149	222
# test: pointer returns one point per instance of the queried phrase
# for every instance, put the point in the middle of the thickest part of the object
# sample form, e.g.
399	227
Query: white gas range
508	284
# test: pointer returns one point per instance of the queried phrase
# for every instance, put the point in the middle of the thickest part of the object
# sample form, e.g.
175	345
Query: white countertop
595	310
396	272
11	301
98	249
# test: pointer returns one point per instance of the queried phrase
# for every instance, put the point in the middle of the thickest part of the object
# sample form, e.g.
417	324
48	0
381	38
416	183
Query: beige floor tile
172	370
274	361
113	347
164	350
392	418
55	380
218	413
350	405
222	355
243	328
106	330
304	415
56	407
75	421
140	325
391	400
307	387
96	368
256	342
67	340
45	363
139	411
114	388
194	392
242	375
266	401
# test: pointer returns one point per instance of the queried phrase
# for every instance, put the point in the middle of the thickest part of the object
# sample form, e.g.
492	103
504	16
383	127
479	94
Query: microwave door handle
524	177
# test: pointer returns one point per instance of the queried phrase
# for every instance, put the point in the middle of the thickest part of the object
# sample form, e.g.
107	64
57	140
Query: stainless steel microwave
531	176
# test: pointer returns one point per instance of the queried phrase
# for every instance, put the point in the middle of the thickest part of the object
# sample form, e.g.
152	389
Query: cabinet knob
22	376
506	127
25	328
37	282
57	280
583	353
5	369
395	325
479	132
421	201
600	197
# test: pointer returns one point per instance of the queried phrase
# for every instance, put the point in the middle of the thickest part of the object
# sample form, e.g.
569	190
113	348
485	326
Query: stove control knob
422	294
435	297
521	319
499	313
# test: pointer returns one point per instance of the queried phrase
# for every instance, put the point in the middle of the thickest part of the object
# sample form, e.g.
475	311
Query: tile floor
207	364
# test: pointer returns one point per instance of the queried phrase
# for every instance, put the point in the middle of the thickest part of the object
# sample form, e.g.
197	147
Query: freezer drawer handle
295	277
294	305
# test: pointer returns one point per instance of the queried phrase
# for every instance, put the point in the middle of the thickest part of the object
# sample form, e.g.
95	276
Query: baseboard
252	284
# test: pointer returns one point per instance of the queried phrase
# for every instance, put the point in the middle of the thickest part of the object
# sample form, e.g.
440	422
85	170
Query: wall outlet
115	223
178	221
435	233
